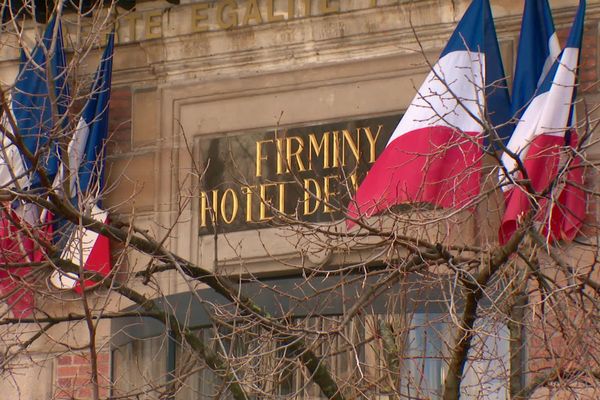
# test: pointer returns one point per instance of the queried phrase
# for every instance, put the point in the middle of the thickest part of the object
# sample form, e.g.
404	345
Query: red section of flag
89	252
561	215
20	244
99	261
436	165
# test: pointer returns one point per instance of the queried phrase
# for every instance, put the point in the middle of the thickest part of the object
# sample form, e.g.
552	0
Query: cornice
375	33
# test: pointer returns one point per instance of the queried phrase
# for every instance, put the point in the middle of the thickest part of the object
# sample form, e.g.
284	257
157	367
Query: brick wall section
73	376
589	56
120	120
563	342
588	72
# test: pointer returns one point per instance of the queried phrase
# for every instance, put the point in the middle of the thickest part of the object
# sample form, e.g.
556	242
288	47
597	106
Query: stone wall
176	83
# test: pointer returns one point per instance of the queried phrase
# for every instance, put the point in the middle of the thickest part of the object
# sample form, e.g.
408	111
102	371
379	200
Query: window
377	353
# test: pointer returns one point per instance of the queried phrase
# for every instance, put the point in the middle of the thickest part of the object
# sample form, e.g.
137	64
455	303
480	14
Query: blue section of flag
32	106
574	41
95	114
576	33
469	33
534	50
476	33
496	88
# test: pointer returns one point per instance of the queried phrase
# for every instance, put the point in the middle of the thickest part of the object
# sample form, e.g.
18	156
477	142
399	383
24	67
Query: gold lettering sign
309	173
200	16
212	15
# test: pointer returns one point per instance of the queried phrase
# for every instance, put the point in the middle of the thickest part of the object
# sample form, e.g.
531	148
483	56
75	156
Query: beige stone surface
131	182
146	118
225	82
31	379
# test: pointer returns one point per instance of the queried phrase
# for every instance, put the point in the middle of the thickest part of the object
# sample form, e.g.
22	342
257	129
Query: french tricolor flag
538	50
435	153
84	247
544	141
36	110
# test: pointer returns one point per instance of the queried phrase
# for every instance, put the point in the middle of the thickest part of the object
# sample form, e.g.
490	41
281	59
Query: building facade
231	111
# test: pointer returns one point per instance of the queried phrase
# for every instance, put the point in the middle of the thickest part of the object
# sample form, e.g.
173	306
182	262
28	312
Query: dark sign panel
306	173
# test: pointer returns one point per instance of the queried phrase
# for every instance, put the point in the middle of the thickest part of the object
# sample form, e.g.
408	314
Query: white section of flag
554	49
547	114
14	174
75	150
11	165
451	95
77	250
